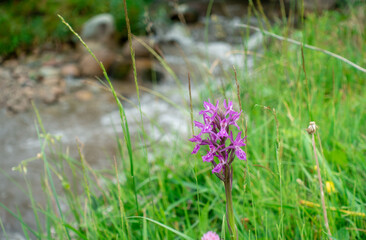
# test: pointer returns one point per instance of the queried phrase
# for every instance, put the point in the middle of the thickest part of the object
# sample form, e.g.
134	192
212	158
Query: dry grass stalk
306	46
311	130
351	213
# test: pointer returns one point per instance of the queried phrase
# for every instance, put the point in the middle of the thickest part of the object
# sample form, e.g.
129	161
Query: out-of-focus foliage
26	23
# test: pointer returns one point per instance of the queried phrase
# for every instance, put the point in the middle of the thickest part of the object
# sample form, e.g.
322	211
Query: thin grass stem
345	60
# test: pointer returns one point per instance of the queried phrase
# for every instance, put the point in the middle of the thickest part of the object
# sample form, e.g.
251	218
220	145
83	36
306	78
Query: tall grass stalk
123	117
132	51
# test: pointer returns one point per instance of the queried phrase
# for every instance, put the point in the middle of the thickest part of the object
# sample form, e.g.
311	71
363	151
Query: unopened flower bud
312	128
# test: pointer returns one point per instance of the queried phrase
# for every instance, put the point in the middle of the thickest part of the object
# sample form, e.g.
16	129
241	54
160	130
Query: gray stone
99	28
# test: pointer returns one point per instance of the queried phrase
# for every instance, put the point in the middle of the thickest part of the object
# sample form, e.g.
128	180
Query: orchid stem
229	204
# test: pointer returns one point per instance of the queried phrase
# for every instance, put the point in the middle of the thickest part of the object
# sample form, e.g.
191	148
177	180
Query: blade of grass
121	205
3	229
30	194
26	235
162	225
129	35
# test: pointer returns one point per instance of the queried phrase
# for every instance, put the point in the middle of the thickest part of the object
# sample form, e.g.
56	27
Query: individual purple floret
222	146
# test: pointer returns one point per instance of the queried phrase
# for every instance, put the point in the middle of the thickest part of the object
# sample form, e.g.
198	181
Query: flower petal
196	148
240	154
208	157
218	168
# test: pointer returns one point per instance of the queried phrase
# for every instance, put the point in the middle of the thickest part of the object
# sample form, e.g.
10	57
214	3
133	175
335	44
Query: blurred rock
6	85
51	81
47	71
120	69
144	64
11	63
22	80
70	70
50	94
84	95
51	89
17	103
74	84
51	62
4	74
140	50
146	71
28	92
88	65
185	14
20	71
99	28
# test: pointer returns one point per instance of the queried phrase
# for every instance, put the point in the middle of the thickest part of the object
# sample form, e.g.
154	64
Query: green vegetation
179	198
27	24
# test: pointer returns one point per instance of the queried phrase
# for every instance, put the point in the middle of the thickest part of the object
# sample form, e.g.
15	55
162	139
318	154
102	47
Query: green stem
229	205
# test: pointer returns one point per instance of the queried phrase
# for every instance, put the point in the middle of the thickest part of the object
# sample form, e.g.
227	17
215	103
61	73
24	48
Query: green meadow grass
175	196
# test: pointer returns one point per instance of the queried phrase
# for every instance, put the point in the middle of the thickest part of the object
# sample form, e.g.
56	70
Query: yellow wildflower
329	186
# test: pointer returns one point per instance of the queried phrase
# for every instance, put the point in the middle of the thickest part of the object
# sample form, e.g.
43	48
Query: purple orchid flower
222	148
216	124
